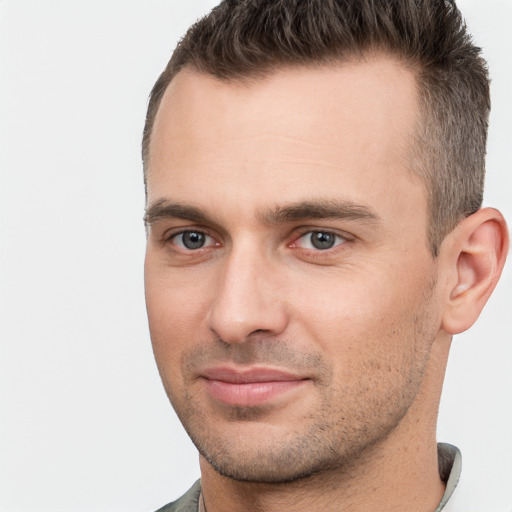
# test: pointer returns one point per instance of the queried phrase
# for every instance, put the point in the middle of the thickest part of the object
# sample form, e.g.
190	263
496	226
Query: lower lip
250	394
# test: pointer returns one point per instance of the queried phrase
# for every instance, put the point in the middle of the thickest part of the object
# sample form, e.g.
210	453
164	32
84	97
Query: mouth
250	387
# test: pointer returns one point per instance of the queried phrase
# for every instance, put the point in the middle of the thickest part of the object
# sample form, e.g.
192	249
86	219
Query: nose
248	299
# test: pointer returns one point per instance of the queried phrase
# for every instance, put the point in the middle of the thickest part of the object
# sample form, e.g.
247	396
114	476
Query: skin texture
358	328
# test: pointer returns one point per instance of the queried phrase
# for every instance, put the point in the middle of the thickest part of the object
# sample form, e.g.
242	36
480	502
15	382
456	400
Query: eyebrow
294	212
321	209
164	209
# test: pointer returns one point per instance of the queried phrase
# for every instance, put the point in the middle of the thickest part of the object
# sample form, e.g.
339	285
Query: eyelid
308	230
181	245
170	234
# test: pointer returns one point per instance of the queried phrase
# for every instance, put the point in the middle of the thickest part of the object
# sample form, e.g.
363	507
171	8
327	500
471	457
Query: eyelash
201	233
338	240
210	241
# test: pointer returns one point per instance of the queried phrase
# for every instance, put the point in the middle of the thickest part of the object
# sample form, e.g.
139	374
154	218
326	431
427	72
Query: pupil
193	240
321	240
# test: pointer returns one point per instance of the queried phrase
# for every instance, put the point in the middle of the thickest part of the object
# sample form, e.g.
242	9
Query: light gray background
84	423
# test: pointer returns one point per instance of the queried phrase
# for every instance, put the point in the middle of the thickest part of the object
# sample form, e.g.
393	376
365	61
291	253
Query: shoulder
189	502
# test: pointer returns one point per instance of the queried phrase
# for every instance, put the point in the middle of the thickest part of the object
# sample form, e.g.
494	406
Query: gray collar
450	465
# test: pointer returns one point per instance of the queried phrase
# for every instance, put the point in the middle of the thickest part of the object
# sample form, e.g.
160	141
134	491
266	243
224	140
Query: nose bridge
246	298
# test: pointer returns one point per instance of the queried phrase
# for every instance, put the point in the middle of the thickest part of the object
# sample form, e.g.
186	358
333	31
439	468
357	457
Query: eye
192	240
319	240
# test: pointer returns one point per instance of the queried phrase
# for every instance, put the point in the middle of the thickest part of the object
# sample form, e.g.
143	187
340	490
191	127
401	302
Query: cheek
175	312
377	350
173	328
367	320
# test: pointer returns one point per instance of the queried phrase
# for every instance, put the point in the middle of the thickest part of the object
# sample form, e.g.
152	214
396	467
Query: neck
400	472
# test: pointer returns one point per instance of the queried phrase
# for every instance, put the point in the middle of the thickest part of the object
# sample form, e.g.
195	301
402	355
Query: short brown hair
247	39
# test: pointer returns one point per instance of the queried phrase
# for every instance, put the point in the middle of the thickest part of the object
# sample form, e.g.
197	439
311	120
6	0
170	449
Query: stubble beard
334	437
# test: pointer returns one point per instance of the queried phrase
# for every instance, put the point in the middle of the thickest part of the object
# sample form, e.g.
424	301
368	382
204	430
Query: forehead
343	129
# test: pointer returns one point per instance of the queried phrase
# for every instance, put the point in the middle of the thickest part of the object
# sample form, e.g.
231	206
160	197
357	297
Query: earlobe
480	245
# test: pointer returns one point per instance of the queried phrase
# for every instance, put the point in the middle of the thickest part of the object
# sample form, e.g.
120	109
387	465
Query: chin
260	455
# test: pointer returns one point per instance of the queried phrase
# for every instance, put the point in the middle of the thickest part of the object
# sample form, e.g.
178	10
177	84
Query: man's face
289	285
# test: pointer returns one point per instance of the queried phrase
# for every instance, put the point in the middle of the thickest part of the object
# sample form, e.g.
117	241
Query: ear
477	250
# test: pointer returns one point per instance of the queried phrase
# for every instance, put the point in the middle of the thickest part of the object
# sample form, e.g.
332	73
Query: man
314	176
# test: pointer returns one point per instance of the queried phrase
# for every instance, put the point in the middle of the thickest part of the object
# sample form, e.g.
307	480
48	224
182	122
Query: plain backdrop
84	422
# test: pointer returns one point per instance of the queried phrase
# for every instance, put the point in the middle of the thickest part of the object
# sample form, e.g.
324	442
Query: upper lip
246	375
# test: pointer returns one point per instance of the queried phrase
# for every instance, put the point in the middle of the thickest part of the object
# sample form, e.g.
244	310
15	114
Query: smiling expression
289	284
